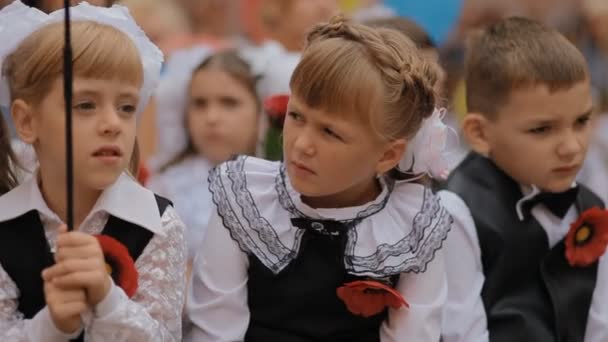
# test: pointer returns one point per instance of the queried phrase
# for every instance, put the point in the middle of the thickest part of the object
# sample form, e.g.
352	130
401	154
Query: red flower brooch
119	264
367	297
275	107
588	237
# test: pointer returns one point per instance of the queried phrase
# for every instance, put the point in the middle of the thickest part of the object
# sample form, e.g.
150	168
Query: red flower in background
143	174
587	238
275	107
368	298
119	264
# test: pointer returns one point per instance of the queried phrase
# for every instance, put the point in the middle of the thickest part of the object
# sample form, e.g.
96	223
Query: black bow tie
557	203
324	227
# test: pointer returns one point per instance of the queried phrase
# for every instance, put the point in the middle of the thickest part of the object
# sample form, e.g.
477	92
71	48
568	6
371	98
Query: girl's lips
108	151
108	154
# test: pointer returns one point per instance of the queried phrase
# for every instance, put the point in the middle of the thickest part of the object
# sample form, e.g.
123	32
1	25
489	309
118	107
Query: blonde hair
99	51
376	73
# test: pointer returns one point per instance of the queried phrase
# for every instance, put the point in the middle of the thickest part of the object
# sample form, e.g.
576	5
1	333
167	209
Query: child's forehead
539	102
103	86
325	116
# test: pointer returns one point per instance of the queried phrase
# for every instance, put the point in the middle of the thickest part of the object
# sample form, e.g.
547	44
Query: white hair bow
18	21
431	149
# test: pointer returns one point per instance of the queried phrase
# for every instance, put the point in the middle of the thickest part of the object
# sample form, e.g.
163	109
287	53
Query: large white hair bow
431	150
18	21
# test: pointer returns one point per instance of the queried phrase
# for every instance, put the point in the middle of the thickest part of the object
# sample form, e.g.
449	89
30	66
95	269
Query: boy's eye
331	133
582	121
540	130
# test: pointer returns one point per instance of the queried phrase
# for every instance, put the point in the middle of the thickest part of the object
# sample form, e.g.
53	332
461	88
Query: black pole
67	92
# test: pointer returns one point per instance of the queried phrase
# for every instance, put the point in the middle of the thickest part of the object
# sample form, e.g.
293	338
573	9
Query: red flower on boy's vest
587	238
119	264
367	297
276	105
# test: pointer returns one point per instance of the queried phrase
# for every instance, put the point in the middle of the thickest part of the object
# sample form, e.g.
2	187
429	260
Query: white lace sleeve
13	328
155	312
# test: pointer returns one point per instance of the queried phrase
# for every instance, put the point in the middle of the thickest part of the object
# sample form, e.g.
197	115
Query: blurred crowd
225	81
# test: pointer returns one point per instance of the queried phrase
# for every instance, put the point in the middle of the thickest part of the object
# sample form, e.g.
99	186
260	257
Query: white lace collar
292	202
397	232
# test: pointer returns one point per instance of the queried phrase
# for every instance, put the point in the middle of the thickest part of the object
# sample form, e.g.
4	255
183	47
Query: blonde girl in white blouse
288	243
115	69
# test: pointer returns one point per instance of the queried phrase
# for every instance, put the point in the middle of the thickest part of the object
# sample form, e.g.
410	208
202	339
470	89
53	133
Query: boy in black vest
518	270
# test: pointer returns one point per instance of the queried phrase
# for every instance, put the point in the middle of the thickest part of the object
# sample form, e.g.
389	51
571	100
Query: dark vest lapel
530	292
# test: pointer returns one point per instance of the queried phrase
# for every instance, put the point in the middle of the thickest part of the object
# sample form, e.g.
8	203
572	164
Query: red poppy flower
368	298
276	105
588	237
119	264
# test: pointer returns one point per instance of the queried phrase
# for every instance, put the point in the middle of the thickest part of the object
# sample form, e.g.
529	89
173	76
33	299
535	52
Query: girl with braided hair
339	242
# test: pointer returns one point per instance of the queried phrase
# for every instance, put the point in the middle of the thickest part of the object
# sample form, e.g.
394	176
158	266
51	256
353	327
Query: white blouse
155	311
401	230
465	316
186	185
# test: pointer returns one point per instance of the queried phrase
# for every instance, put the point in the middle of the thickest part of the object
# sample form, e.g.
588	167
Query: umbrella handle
67	90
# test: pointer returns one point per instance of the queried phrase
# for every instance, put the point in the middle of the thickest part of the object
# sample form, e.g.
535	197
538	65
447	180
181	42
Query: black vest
24	252
530	293
300	303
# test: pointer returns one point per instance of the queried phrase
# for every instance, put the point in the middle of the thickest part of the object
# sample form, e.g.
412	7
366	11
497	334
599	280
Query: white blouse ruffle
398	232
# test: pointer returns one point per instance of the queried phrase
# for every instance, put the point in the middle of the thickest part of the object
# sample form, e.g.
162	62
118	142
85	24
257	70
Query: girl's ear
23	119
392	156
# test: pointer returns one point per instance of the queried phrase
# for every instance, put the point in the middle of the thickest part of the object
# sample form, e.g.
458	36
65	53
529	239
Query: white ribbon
430	150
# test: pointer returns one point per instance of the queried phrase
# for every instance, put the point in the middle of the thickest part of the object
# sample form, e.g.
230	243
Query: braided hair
377	73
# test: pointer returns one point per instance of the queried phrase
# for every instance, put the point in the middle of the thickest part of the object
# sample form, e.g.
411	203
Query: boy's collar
529	192
125	199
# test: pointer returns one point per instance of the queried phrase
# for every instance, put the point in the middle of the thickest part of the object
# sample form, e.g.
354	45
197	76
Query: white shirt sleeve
217	298
13	328
155	311
426	295
464	316
597	321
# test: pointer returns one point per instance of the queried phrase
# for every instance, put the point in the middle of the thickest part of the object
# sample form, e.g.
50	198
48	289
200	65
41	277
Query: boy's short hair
410	28
516	53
